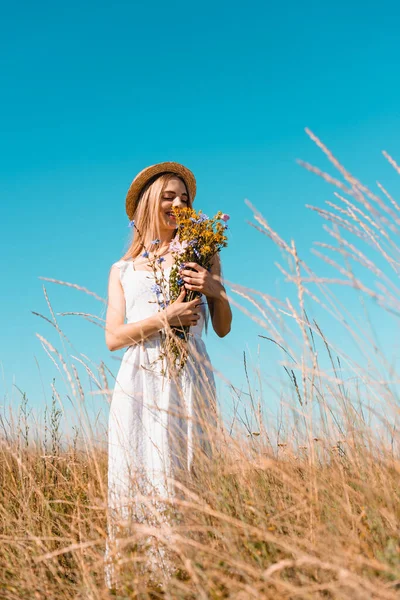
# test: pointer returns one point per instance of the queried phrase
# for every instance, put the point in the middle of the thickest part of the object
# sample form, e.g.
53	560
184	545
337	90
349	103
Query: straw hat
148	173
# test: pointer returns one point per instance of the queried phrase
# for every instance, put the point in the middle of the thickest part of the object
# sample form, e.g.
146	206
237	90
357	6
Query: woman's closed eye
172	197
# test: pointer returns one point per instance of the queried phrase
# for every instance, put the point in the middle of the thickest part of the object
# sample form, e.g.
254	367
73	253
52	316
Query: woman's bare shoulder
118	263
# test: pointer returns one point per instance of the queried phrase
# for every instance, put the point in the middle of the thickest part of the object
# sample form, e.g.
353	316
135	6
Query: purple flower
131	223
156	241
196	252
202	217
145	254
180	281
156	288
161	259
225	217
193	242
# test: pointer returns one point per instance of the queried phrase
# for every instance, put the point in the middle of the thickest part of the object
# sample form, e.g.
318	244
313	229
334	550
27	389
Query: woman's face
175	194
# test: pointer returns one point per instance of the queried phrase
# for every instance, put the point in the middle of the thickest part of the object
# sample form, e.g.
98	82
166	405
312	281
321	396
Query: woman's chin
170	224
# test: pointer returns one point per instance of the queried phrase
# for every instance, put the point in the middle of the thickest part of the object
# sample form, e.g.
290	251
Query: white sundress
156	425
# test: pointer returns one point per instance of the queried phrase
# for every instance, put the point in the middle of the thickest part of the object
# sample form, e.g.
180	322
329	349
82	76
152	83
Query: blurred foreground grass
322	522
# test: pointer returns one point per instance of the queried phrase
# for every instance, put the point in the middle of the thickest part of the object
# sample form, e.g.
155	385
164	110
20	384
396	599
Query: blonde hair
147	219
147	214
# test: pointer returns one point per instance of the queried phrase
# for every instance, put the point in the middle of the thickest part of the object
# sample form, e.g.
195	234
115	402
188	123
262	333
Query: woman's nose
177	201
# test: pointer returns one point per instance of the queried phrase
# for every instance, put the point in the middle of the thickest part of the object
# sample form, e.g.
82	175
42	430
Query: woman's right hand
183	313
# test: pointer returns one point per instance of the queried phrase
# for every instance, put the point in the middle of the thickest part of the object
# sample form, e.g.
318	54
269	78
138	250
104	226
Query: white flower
178	247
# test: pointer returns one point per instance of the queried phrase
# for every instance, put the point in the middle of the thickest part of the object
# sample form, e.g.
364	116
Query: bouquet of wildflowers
199	238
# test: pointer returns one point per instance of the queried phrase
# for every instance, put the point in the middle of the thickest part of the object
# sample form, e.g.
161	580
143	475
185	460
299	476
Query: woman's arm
220	310
210	284
119	334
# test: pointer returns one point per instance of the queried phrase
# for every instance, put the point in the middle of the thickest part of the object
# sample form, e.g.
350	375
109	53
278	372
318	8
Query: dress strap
122	265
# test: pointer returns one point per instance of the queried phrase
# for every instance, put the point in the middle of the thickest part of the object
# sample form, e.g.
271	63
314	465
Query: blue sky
94	92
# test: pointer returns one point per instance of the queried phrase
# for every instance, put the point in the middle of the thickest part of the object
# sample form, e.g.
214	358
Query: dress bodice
141	299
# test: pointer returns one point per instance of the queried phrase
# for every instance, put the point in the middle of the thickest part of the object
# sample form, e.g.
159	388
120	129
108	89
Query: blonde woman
157	422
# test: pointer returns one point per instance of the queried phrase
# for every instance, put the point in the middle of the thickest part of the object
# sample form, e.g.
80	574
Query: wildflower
145	254
178	247
131	223
161	259
156	288
202	217
198	238
156	241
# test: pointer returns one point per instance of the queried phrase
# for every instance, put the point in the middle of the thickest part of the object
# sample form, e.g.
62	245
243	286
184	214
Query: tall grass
310	510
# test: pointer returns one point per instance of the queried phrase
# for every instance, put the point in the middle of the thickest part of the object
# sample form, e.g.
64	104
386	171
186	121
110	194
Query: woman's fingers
182	294
191	275
193	286
194	265
192	281
194	303
195	316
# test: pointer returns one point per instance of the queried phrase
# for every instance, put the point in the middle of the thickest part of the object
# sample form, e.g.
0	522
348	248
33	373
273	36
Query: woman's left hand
201	280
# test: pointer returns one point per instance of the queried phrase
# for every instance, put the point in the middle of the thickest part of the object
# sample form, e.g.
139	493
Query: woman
157	422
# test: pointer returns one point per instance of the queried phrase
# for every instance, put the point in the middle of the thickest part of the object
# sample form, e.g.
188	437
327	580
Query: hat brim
144	176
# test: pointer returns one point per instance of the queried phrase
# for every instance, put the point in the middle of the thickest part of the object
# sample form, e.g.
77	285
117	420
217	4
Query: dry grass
310	512
316	525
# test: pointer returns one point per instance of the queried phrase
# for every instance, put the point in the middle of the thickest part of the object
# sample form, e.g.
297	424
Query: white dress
156	425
